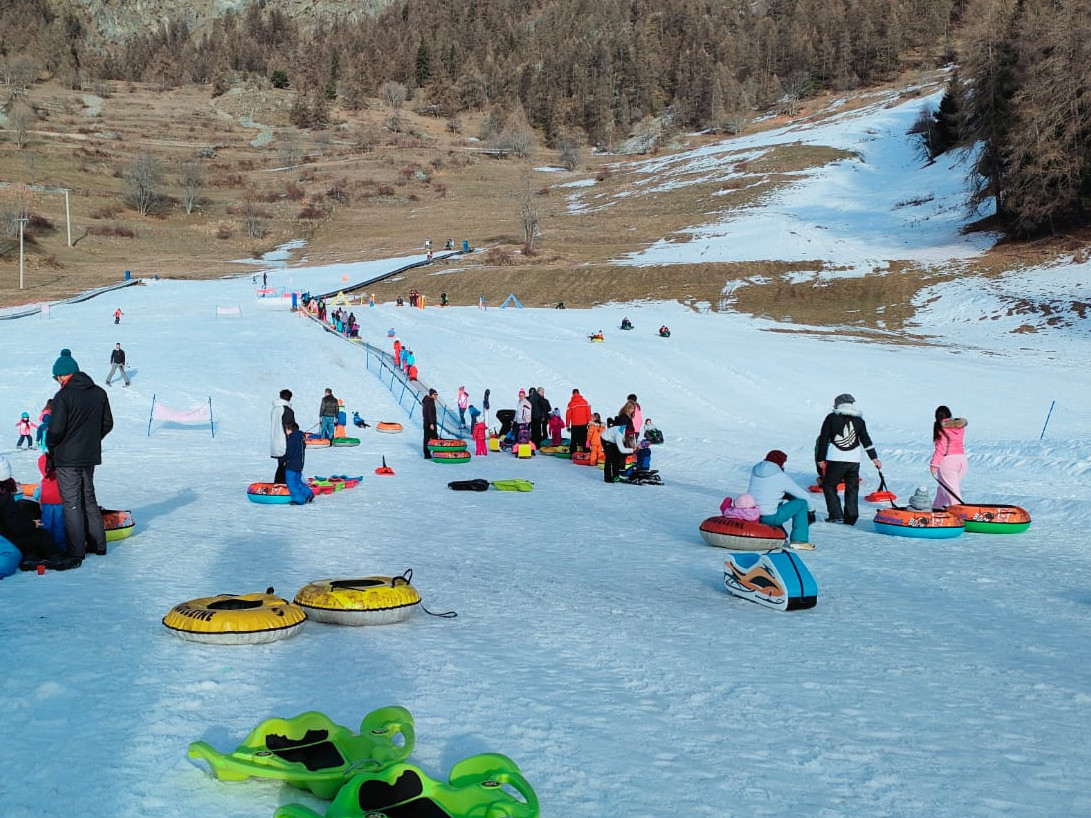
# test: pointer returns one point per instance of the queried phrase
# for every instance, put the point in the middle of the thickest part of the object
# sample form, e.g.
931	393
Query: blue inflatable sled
778	579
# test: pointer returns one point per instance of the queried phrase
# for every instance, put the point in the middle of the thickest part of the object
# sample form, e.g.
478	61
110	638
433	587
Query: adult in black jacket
428	417
117	362
327	414
81	419
540	425
841	444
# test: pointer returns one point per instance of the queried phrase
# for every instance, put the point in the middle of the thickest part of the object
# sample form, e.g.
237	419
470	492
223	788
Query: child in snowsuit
594	438
463	403
556	426
48	496
293	457
24	426
43	423
481	434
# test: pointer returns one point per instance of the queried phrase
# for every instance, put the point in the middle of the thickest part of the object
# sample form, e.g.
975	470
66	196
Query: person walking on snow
463	402
117	315
842	442
24	425
117	362
768	485
948	464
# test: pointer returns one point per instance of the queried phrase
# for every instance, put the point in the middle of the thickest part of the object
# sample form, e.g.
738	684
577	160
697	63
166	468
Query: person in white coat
616	443
768	486
282	415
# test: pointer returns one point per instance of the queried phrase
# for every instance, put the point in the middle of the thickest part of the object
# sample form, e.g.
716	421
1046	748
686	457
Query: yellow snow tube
227	619
365	601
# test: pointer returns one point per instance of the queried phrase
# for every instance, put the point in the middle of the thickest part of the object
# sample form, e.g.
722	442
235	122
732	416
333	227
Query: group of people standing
842	445
66	524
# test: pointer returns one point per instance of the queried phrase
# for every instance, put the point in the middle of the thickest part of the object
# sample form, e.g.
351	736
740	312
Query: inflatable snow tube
437	444
269	494
388	428
742	535
365	601
582	458
119	524
928	525
312	752
249	619
980	518
316	442
779	580
10	557
451	457
345	441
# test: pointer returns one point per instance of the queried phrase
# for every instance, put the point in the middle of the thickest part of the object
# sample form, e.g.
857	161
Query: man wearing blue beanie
81	419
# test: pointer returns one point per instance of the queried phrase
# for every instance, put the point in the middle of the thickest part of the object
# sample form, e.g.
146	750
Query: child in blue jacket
293	457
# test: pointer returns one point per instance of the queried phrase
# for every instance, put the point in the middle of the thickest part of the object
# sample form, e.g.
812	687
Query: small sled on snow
881	494
778	579
517	484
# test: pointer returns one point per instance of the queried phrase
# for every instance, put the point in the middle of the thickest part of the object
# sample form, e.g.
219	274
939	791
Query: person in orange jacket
594	439
576	419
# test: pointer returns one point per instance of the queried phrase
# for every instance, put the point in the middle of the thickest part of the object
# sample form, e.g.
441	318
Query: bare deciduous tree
568	151
253	221
290	149
393	94
797	87
143	184
191	178
529	219
21	116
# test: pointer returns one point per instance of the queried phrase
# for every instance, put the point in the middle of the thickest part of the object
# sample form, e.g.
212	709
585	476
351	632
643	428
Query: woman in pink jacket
948	463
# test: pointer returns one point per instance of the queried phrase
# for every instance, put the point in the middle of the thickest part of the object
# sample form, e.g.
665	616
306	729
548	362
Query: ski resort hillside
595	644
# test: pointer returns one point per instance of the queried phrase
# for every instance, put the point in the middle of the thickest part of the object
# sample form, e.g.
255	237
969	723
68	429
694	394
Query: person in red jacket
576	419
49	498
481	433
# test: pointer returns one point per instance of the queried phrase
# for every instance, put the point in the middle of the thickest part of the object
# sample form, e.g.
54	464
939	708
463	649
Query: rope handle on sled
405	579
949	490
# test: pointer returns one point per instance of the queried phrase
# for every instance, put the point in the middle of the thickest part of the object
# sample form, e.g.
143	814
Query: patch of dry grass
361	192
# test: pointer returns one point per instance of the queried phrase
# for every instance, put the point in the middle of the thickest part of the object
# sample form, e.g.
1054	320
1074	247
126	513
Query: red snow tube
742	535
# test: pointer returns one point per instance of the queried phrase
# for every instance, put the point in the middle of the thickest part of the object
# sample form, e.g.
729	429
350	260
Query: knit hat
5	468
745	501
844	397
522	393
25	415
66	364
778	457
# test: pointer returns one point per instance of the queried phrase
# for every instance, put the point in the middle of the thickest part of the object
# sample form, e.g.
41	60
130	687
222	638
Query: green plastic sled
476	789
518	484
311	752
